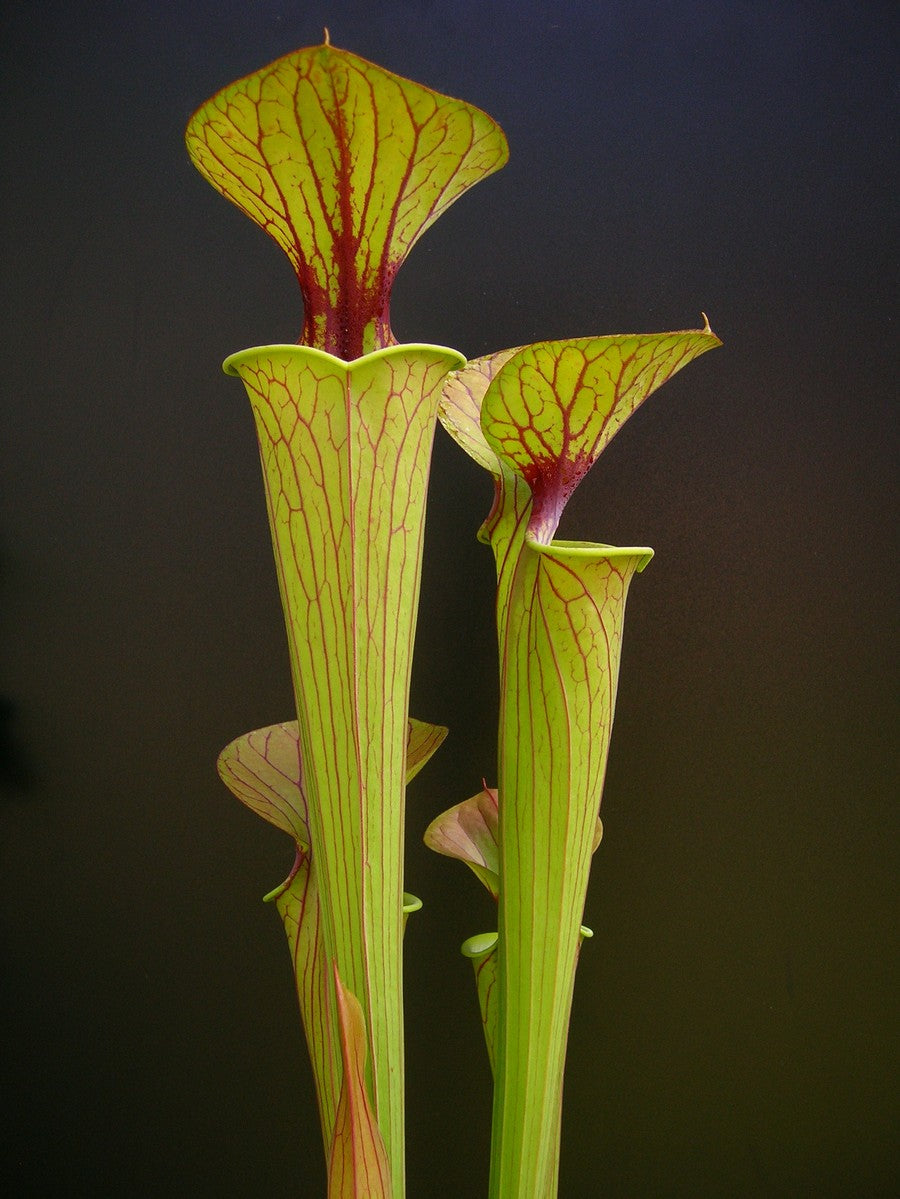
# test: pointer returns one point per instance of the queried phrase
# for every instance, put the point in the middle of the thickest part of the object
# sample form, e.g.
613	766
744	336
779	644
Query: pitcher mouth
593	549
240	357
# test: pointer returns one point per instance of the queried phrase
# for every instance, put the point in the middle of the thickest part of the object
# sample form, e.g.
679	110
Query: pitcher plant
345	165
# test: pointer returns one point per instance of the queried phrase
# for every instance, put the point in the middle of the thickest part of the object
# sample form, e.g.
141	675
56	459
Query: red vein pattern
469	832
265	771
559	669
345	450
300	909
345	165
555	405
482	952
358	1165
537	418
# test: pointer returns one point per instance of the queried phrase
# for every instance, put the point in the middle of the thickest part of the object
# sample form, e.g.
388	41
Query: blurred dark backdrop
735	1019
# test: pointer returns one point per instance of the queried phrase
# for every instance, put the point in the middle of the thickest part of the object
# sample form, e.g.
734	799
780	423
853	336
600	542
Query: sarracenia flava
345	165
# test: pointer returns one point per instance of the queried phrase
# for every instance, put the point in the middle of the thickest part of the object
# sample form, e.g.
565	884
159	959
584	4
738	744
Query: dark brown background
733	1033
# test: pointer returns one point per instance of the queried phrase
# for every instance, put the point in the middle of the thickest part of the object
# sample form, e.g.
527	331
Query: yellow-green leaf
537	418
297	900
481	950
358	1165
345	165
265	771
422	741
346	450
560	647
469	832
460	407
411	904
553	406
